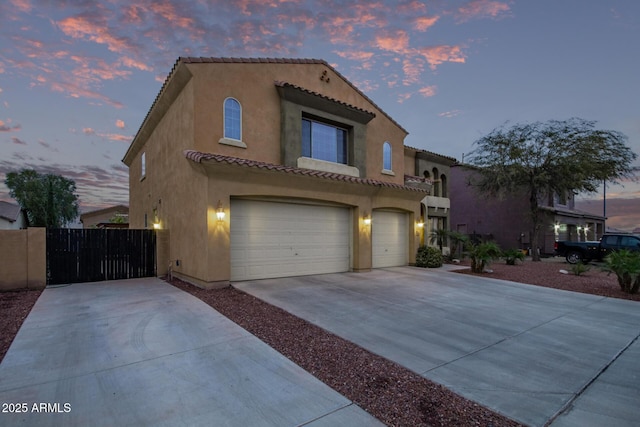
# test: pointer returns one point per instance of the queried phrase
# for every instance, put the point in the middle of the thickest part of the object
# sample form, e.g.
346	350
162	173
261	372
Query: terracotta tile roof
453	159
286	84
199	157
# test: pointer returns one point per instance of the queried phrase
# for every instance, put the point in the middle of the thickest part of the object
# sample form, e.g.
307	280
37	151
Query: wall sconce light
220	211
420	223
366	219
156	226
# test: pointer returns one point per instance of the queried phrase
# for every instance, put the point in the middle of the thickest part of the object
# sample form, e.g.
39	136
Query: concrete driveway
144	353
534	354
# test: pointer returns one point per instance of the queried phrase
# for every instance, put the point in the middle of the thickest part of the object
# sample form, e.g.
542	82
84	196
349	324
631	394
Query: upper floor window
143	165
386	156
232	119
324	142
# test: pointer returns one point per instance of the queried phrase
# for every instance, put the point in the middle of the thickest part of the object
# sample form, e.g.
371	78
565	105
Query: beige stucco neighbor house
110	217
435	170
262	168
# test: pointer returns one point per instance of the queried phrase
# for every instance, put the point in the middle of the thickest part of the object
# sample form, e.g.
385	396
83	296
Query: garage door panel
271	239
389	239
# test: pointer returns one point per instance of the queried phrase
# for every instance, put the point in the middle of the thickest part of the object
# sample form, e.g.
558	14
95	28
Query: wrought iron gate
91	255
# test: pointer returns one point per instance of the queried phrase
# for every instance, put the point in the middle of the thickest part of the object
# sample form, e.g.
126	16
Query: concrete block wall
23	259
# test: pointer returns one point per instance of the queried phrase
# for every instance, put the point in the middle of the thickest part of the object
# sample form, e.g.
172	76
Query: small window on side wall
232	124
143	165
386	159
232	119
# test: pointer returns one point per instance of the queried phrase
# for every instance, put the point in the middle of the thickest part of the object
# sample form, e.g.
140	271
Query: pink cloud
428	91
423	23
79	27
132	63
481	9
397	42
76	91
18	141
403	97
168	12
88	131
436	55
120	124
412	69
23	6
4	127
449	114
116	137
355	55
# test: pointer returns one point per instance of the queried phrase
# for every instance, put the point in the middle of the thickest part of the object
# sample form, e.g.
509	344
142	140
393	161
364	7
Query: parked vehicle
576	252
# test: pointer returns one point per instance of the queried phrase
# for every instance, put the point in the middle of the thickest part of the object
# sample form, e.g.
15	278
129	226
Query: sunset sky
77	77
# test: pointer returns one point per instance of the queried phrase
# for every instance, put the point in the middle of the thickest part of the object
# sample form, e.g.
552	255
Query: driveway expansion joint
568	405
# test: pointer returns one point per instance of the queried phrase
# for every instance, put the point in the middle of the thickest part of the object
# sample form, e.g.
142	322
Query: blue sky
78	77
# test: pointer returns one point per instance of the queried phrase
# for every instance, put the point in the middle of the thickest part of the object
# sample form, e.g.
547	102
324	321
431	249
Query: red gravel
14	308
389	392
547	273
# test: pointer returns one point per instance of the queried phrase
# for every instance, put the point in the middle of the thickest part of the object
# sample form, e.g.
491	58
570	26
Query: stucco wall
183	196
227	182
23	259
471	212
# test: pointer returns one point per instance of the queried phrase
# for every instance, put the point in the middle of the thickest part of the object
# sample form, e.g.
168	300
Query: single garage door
389	239
270	239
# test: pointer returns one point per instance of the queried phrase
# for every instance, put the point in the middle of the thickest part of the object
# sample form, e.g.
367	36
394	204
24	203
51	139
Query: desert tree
553	157
48	200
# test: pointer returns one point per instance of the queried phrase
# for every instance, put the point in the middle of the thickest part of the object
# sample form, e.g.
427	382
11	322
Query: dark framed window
324	141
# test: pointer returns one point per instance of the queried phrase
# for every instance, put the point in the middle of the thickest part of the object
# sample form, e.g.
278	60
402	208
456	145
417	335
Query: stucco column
362	242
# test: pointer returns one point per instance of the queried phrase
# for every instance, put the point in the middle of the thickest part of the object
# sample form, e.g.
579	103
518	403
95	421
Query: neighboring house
434	208
508	221
11	216
262	168
111	217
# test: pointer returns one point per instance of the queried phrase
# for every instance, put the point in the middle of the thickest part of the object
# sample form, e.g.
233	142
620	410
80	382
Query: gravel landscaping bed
547	273
391	393
14	308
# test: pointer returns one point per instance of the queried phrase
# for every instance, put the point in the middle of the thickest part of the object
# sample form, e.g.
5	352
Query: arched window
232	119
386	156
436	183
443	185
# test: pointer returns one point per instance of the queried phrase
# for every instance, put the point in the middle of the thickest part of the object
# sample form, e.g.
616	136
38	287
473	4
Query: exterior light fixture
367	219
156	226
420	223
220	211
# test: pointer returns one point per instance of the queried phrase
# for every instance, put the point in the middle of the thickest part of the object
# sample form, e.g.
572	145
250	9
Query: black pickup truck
576	252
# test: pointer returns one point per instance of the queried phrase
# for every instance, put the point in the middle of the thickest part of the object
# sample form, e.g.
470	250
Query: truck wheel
574	257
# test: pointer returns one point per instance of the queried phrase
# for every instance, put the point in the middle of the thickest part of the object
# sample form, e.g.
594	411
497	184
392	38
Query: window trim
143	165
227	139
332	125
387	157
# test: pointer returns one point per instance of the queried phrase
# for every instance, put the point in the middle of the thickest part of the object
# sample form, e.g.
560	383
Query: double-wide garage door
270	239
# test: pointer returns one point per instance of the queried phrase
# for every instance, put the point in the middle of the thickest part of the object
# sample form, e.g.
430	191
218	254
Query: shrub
428	257
512	255
626	266
481	255
579	268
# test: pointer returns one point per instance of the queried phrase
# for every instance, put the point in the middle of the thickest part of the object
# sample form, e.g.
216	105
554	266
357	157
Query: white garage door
389	239
270	239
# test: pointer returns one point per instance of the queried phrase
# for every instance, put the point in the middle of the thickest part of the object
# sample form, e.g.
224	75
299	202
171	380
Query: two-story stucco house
435	169
262	168
508	221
